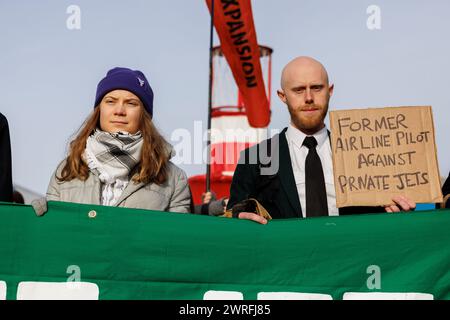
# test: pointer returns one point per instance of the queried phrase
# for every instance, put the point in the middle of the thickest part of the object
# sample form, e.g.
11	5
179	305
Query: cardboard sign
384	152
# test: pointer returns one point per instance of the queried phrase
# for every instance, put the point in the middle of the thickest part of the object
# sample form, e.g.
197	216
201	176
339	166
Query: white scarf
112	156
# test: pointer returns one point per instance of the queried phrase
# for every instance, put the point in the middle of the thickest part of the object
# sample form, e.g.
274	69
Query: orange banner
233	20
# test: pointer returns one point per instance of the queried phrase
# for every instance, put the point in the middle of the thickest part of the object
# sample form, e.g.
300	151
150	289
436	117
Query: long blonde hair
154	159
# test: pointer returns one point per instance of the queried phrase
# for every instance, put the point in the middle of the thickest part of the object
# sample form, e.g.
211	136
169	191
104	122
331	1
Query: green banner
94	252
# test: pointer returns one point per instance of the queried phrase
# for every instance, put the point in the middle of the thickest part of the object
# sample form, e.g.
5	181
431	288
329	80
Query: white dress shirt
298	154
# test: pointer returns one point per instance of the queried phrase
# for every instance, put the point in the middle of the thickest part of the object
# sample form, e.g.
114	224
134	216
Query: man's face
307	93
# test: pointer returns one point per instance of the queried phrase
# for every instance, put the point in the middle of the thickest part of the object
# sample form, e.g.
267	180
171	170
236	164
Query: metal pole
208	149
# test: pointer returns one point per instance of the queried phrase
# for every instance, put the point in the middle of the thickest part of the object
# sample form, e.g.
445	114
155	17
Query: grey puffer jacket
173	195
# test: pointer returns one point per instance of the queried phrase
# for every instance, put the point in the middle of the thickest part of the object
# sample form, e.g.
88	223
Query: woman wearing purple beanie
118	158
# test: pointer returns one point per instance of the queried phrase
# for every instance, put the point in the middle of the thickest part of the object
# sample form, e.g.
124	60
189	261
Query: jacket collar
131	188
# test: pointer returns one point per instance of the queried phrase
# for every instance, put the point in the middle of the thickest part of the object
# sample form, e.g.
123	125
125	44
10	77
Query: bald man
302	184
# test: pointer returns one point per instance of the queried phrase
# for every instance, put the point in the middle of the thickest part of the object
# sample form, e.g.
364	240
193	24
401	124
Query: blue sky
49	73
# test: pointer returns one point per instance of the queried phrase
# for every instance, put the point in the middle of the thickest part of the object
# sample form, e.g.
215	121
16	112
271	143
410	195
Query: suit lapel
286	174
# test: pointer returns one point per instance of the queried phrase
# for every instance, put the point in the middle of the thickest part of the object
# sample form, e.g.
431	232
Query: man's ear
330	89
281	95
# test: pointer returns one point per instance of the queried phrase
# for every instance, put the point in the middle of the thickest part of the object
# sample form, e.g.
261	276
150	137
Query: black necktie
316	195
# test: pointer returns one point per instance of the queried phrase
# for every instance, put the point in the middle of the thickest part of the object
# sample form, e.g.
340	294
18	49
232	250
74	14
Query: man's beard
310	124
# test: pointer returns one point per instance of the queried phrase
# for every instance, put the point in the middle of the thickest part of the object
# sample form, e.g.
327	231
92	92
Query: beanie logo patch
141	82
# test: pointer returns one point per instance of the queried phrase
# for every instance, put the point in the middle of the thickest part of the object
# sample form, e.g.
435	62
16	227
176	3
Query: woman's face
120	110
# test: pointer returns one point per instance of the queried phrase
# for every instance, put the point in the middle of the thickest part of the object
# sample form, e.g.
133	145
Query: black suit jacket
264	172
5	161
446	190
446	186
